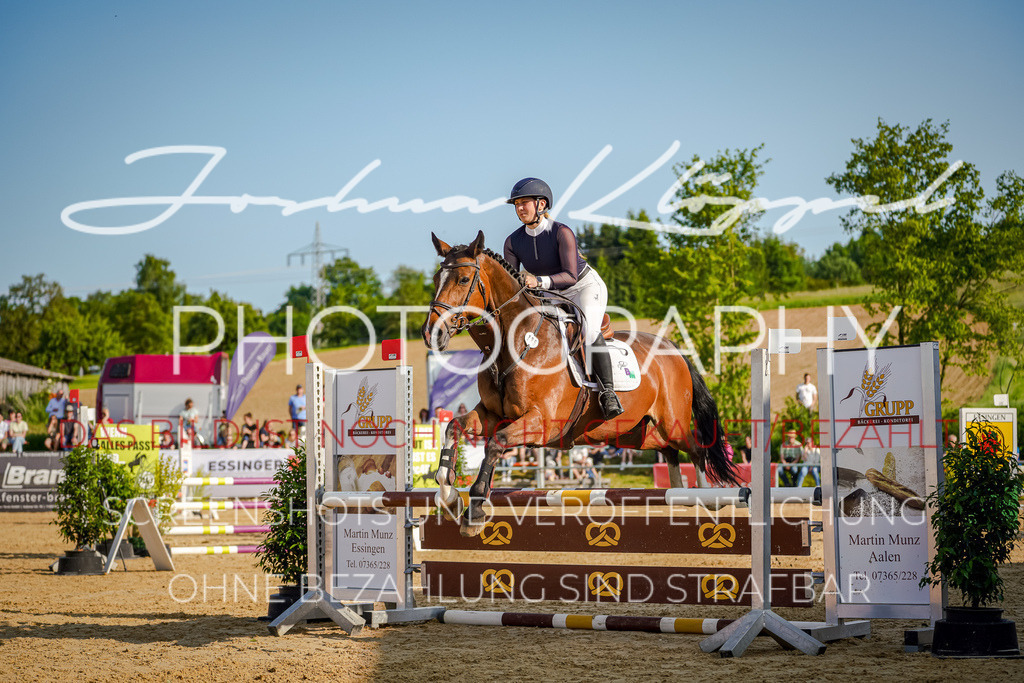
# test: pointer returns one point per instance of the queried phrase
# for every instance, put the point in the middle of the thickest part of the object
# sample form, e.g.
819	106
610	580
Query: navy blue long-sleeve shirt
552	253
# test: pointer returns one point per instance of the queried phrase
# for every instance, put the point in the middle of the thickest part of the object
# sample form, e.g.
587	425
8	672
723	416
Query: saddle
569	319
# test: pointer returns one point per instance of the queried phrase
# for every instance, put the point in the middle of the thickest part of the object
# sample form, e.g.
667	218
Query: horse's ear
478	244
442	248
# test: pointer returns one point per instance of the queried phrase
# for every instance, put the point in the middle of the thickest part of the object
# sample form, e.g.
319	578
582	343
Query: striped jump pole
217	530
220	505
215	550
587	622
226	481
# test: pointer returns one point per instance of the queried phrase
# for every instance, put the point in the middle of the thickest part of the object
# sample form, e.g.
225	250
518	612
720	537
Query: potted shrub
283	550
91	480
975	521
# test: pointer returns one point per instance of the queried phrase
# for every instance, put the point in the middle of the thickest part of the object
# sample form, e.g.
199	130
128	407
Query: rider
548	252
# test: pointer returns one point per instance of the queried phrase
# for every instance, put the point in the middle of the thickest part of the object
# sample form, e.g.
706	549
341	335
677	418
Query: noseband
460	322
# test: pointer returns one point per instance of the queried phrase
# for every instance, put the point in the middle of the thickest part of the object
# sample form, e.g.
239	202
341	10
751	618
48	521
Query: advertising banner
133	446
255	463
29	481
369	420
1003	420
251	357
884	451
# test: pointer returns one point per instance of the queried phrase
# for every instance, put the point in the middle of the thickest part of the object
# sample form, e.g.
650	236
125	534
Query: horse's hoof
451	509
473	520
470	530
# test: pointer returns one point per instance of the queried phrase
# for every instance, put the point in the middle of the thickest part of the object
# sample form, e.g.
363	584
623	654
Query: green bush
975	516
283	550
92	496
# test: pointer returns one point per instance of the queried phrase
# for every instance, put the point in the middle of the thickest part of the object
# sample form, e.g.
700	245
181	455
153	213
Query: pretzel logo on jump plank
498	580
603	535
713	535
500	533
605	585
720	586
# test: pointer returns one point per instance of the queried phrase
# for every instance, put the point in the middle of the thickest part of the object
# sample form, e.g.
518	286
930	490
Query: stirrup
610	405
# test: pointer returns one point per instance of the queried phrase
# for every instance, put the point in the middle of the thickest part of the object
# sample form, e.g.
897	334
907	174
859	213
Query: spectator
166	440
223	431
461	410
790	453
249	431
52	433
105	417
71	433
268	437
5	426
424	416
189	417
806	393
55	408
293	438
951	441
18	431
626	456
746	449
811	458
297	408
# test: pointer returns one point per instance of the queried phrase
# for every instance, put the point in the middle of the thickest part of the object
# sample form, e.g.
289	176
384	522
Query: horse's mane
516	275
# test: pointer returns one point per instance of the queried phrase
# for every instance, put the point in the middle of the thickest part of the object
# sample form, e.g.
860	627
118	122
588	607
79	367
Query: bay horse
527	396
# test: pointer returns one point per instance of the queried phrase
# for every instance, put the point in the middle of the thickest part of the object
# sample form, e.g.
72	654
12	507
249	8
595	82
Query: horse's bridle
461	322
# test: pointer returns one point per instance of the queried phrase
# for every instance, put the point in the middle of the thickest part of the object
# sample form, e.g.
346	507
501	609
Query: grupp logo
498	581
496	533
18	476
359	414
605	584
603	535
876	406
720	587
713	535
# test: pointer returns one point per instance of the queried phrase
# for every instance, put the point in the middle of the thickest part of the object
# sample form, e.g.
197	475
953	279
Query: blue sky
452	98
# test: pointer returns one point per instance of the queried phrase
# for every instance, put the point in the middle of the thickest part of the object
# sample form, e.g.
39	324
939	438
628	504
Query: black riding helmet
530	187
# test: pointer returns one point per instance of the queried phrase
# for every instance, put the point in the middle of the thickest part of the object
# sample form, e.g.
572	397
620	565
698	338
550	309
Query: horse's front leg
479	421
527	429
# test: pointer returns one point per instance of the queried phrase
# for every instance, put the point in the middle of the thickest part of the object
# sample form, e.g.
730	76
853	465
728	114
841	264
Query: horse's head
460	291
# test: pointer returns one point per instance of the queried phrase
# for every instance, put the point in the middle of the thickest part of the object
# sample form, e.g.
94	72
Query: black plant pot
975	632
80	562
282	600
125	552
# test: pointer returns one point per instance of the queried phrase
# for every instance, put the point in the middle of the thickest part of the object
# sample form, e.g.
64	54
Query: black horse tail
708	433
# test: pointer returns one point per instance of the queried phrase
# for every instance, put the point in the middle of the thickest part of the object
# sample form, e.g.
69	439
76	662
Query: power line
316	251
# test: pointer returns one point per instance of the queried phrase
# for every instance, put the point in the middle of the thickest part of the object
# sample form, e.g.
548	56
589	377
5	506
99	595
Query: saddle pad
625	367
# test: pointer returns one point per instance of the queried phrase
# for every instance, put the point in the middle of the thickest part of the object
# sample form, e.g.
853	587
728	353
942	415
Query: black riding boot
602	365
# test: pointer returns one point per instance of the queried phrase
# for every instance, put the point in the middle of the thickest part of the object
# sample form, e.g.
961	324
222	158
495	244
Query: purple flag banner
251	357
456	383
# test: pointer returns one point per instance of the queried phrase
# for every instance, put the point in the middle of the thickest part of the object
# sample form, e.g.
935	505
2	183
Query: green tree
200	328
354	286
301	301
409	287
836	267
705	265
606	249
154	276
945	256
70	341
778	267
142	323
23	311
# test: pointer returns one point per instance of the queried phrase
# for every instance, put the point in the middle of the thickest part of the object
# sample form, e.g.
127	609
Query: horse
527	396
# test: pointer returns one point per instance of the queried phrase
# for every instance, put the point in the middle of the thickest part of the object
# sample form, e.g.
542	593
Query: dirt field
140	624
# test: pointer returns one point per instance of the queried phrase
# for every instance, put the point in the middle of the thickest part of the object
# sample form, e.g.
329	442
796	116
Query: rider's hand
531	281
